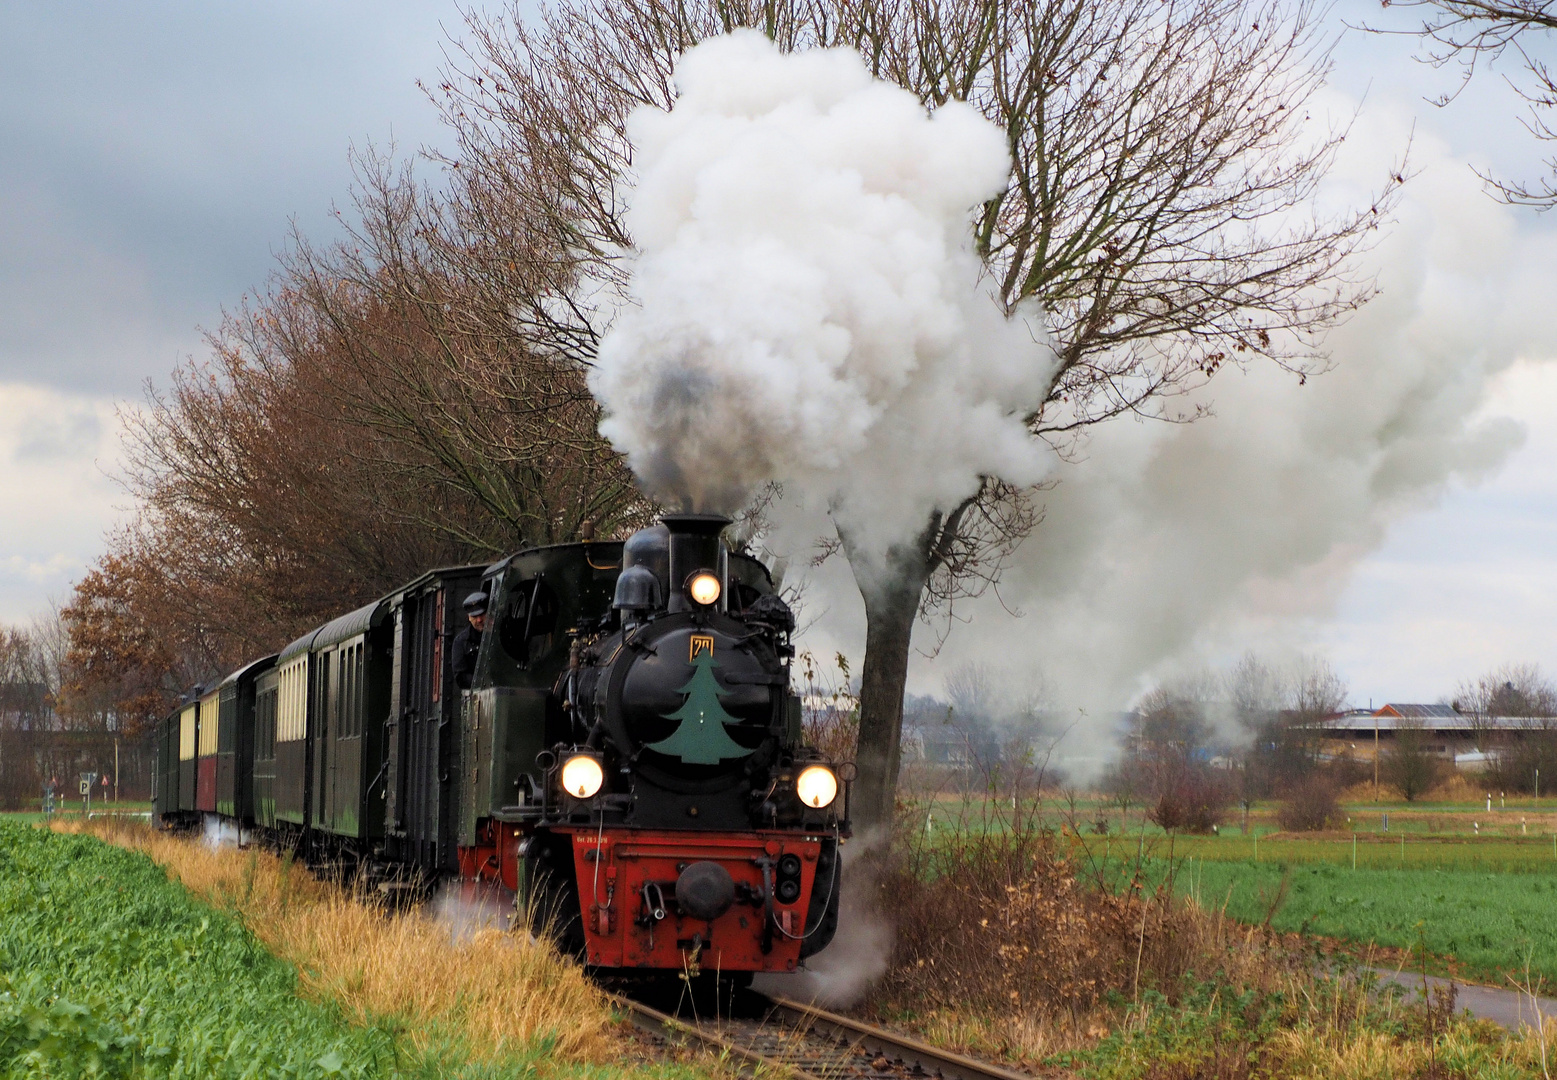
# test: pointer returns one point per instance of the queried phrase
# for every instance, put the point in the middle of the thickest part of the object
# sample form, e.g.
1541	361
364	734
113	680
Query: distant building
1466	738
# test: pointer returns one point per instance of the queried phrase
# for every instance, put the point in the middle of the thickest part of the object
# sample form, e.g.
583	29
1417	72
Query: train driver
467	643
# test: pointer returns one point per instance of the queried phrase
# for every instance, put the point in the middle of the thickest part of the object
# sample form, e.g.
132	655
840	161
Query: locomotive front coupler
766	863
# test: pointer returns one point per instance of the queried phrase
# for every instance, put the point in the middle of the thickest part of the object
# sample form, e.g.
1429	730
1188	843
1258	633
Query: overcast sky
153	156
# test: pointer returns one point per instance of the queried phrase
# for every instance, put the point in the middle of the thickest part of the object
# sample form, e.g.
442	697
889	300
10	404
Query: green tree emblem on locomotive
701	738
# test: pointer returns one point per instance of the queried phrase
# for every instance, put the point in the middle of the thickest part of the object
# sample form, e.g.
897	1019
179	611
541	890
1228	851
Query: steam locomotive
629	759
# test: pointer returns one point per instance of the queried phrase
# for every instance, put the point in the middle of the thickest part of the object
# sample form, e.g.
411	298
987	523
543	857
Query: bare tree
1317	691
1516	690
1166	763
1160	207
999	718
1482	32
422	308
1514	711
26	700
1281	710
1411	765
375	412
47	731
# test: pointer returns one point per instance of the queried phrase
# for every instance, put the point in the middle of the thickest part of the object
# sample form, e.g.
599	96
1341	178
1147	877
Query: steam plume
1166	546
806	306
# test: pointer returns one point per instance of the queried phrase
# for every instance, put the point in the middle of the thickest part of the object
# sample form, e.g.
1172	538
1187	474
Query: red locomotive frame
619	930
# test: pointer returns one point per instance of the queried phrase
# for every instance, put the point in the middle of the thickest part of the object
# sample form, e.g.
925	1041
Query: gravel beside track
807	1043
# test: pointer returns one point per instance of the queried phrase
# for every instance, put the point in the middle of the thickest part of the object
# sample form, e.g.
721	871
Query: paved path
1510	1008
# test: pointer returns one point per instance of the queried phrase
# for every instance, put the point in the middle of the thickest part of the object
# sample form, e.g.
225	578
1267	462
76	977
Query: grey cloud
55	438
155	153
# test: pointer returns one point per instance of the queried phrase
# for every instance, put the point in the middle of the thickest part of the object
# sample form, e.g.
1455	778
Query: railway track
804	1042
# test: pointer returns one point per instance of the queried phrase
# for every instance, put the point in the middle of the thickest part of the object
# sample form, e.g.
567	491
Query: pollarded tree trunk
889	624
891	605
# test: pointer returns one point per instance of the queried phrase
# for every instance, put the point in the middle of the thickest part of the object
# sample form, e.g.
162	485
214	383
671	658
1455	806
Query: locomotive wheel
551	910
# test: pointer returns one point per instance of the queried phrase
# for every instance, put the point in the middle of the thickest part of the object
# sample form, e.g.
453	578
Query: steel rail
805	1042
679	1031
947	1063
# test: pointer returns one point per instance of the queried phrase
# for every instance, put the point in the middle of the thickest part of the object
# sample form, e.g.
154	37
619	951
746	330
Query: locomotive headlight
817	786
582	776
704	588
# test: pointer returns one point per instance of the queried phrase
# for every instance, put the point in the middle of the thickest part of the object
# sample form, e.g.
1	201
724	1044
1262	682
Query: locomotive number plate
701	643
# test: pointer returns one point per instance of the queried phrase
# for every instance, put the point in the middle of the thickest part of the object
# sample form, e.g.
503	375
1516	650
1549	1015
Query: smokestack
694	546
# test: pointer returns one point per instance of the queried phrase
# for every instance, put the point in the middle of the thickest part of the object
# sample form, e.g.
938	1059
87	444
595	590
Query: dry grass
1452	787
1014	920
1055	965
495	993
1463	1049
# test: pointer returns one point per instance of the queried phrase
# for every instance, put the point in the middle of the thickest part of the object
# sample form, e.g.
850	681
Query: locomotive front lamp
582	776
817	786
704	588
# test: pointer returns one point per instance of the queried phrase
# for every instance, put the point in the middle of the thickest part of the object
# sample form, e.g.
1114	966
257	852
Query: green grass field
1493	923
108	969
1508	855
1489	902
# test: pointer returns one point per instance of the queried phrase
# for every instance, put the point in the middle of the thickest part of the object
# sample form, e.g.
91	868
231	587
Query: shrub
1310	805
1195	801
1411	765
1007	918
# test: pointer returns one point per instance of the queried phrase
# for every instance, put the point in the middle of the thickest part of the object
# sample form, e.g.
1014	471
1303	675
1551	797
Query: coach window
354	725
348	673
530	621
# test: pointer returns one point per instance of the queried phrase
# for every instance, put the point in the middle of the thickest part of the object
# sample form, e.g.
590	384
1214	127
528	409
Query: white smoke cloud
806	304
1170	545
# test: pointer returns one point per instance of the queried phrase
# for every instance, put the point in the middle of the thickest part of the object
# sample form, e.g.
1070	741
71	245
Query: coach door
323	740
291	782
423	757
266	696
188	722
418	784
338	756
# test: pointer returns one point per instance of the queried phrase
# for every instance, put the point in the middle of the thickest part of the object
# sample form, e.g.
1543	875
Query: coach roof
347	626
255	667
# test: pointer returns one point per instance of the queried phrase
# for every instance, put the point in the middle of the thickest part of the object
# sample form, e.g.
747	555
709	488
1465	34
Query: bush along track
109	969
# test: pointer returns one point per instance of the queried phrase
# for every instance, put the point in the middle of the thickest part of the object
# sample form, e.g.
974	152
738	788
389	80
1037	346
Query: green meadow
109	969
1470	884
1489	902
1492	922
